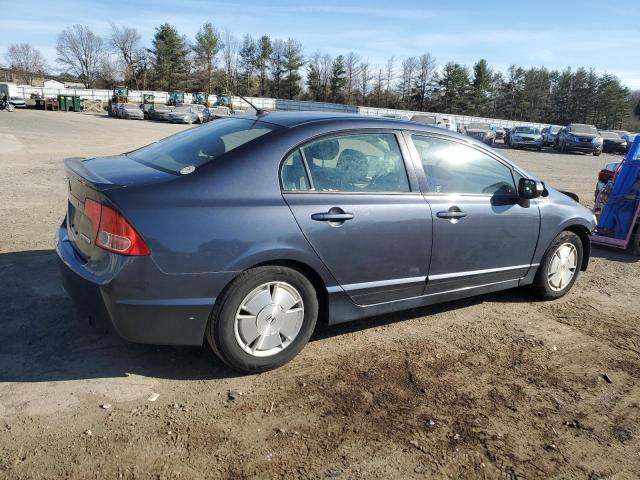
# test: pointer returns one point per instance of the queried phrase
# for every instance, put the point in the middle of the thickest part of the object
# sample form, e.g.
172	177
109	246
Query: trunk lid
94	179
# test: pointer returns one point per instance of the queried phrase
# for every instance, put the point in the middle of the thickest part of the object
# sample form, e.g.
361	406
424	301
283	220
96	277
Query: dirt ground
497	386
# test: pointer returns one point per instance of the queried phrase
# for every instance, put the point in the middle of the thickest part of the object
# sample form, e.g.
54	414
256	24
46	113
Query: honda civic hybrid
245	232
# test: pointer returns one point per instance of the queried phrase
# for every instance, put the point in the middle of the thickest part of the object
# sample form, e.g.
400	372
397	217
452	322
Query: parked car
159	111
482	132
500	133
18	102
185	113
629	138
612	142
525	137
605	176
248	230
578	137
129	111
549	135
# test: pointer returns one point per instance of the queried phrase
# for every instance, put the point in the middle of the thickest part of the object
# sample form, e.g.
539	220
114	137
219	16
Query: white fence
271	104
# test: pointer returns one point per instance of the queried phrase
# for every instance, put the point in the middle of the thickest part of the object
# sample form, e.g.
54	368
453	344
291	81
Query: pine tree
338	80
206	48
248	62
169	52
293	61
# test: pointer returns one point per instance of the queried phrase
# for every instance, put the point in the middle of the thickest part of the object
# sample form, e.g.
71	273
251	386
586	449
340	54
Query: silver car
129	111
482	132
189	114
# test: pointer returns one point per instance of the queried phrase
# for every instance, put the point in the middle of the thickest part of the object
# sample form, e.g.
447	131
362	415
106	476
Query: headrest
322	150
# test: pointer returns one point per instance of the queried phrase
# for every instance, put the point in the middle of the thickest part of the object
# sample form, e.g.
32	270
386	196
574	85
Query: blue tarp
622	203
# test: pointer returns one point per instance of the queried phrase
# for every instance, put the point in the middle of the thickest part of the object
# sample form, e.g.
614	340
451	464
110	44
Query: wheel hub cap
562	266
269	319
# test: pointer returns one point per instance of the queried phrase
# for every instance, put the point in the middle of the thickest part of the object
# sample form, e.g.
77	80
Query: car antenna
259	111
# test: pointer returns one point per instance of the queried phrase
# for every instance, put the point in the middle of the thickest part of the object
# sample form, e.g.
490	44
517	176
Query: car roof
293	119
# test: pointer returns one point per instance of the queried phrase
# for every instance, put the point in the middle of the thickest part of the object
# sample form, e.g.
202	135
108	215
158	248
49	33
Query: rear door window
370	162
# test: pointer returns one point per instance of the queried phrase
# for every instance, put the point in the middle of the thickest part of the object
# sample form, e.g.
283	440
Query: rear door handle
332	217
335	214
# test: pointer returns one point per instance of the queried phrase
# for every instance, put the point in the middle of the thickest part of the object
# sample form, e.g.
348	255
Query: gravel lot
497	386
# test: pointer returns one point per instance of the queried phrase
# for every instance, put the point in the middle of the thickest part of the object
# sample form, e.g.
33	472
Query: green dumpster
69	103
62	103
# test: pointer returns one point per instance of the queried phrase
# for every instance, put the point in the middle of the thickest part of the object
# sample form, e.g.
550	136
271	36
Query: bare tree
277	65
352	67
81	51
326	62
390	76
26	61
409	67
125	41
365	78
230	58
424	78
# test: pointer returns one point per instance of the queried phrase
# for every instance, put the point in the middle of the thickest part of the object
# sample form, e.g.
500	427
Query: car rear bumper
119	296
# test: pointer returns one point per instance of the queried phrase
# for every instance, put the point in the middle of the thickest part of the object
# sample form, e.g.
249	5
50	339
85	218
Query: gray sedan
246	232
189	114
129	111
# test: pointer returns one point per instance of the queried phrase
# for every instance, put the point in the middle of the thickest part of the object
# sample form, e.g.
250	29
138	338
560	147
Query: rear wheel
560	267
263	318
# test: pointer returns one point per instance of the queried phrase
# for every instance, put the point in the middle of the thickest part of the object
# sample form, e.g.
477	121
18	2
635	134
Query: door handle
454	213
335	214
331	217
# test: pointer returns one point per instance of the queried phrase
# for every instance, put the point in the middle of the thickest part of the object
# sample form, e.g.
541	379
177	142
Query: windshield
611	135
555	129
197	146
526	130
590	129
478	126
161	107
182	110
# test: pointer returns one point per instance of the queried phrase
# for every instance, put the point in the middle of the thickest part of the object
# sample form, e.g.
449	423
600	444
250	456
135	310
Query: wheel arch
583	233
308	271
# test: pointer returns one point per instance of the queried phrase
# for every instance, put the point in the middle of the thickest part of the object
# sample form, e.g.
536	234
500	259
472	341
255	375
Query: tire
539	148
563	147
543	284
229	338
597	153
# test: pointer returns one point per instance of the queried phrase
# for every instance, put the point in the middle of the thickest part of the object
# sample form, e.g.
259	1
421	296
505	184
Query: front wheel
263	318
597	153
560	267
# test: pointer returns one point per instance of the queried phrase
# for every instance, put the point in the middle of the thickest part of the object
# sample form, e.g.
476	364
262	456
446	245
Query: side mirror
529	188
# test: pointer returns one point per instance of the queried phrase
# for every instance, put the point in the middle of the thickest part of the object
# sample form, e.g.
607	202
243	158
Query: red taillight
605	175
112	232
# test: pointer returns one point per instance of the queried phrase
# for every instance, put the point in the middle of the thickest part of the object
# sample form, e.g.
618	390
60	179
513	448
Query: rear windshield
584	129
528	130
188	150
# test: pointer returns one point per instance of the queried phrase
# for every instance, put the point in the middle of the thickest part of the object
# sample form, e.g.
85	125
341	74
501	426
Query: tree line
216	61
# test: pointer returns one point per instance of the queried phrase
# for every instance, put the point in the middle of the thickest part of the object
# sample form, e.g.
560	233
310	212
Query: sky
556	34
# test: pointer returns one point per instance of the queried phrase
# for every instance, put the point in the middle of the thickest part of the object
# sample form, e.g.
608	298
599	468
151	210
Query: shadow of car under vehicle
46	339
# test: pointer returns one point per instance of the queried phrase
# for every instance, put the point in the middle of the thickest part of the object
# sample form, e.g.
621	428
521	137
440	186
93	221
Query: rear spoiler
75	165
